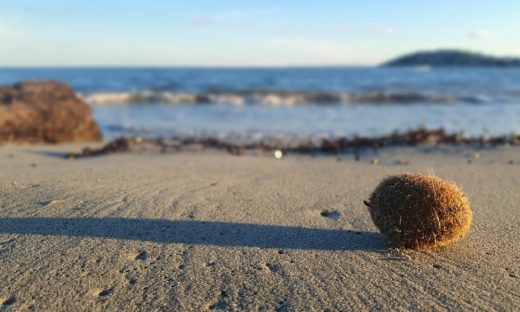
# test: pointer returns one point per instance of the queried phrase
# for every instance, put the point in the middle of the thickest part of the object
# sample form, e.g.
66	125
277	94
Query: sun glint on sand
209	231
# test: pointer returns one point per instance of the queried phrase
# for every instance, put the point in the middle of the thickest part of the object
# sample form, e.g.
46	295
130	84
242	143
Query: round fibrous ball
420	212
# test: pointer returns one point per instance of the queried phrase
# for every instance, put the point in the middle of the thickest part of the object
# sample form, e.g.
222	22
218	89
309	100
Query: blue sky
248	33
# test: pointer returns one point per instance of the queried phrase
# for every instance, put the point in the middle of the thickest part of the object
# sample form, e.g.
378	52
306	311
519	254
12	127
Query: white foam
270	98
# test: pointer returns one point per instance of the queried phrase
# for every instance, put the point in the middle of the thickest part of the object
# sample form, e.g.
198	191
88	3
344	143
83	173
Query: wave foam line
289	98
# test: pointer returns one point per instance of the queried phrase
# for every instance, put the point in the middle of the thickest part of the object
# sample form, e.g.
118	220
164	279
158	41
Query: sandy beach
211	231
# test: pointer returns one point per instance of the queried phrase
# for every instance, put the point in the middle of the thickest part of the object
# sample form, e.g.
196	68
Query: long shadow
53	154
198	232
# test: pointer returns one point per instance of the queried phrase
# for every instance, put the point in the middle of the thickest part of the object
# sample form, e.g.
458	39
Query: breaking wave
288	98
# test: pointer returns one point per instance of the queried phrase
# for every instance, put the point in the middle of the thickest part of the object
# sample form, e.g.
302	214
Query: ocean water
292	103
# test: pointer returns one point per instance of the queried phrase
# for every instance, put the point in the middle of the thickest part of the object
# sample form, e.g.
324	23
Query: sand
207	230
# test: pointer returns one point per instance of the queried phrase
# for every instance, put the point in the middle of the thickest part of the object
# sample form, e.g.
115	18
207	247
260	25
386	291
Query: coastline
206	230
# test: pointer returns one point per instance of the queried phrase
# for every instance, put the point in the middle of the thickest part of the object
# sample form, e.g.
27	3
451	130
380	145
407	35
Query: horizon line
189	66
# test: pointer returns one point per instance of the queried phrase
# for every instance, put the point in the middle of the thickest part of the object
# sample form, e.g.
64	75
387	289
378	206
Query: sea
291	103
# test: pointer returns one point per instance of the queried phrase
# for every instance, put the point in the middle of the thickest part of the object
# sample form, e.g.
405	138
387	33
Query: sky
248	33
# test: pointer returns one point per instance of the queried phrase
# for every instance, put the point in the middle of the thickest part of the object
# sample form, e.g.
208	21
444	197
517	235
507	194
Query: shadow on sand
52	154
198	232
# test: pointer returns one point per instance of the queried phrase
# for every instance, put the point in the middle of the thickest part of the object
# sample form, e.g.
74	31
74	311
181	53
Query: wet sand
211	231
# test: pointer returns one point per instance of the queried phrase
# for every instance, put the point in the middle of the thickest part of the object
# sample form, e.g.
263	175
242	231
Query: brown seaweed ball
420	211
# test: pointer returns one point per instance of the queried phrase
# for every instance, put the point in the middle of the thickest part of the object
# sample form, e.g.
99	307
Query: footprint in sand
273	267
331	214
105	293
9	301
50	202
142	255
283	305
511	273
222	302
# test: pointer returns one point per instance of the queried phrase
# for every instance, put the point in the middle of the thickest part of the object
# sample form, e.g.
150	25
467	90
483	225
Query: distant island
452	58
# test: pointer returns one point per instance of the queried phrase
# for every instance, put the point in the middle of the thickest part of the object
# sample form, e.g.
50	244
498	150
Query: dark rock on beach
44	112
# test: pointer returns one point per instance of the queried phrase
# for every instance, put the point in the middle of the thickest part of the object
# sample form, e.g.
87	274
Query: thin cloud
203	20
303	44
36	8
305	50
40	8
481	34
265	18
386	31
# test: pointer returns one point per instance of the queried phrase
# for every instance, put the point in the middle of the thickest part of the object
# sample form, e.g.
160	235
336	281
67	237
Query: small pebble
374	161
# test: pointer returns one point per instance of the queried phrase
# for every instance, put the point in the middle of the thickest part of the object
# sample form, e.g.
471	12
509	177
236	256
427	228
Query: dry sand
202	231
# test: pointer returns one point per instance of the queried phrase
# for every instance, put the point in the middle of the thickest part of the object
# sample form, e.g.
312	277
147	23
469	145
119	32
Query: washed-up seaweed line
412	137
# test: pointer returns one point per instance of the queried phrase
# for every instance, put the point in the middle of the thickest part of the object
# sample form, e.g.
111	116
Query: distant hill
452	58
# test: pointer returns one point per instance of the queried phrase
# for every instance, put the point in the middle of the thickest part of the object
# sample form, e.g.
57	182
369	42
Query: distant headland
452	58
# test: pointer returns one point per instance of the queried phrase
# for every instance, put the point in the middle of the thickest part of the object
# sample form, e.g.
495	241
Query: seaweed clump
421	212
